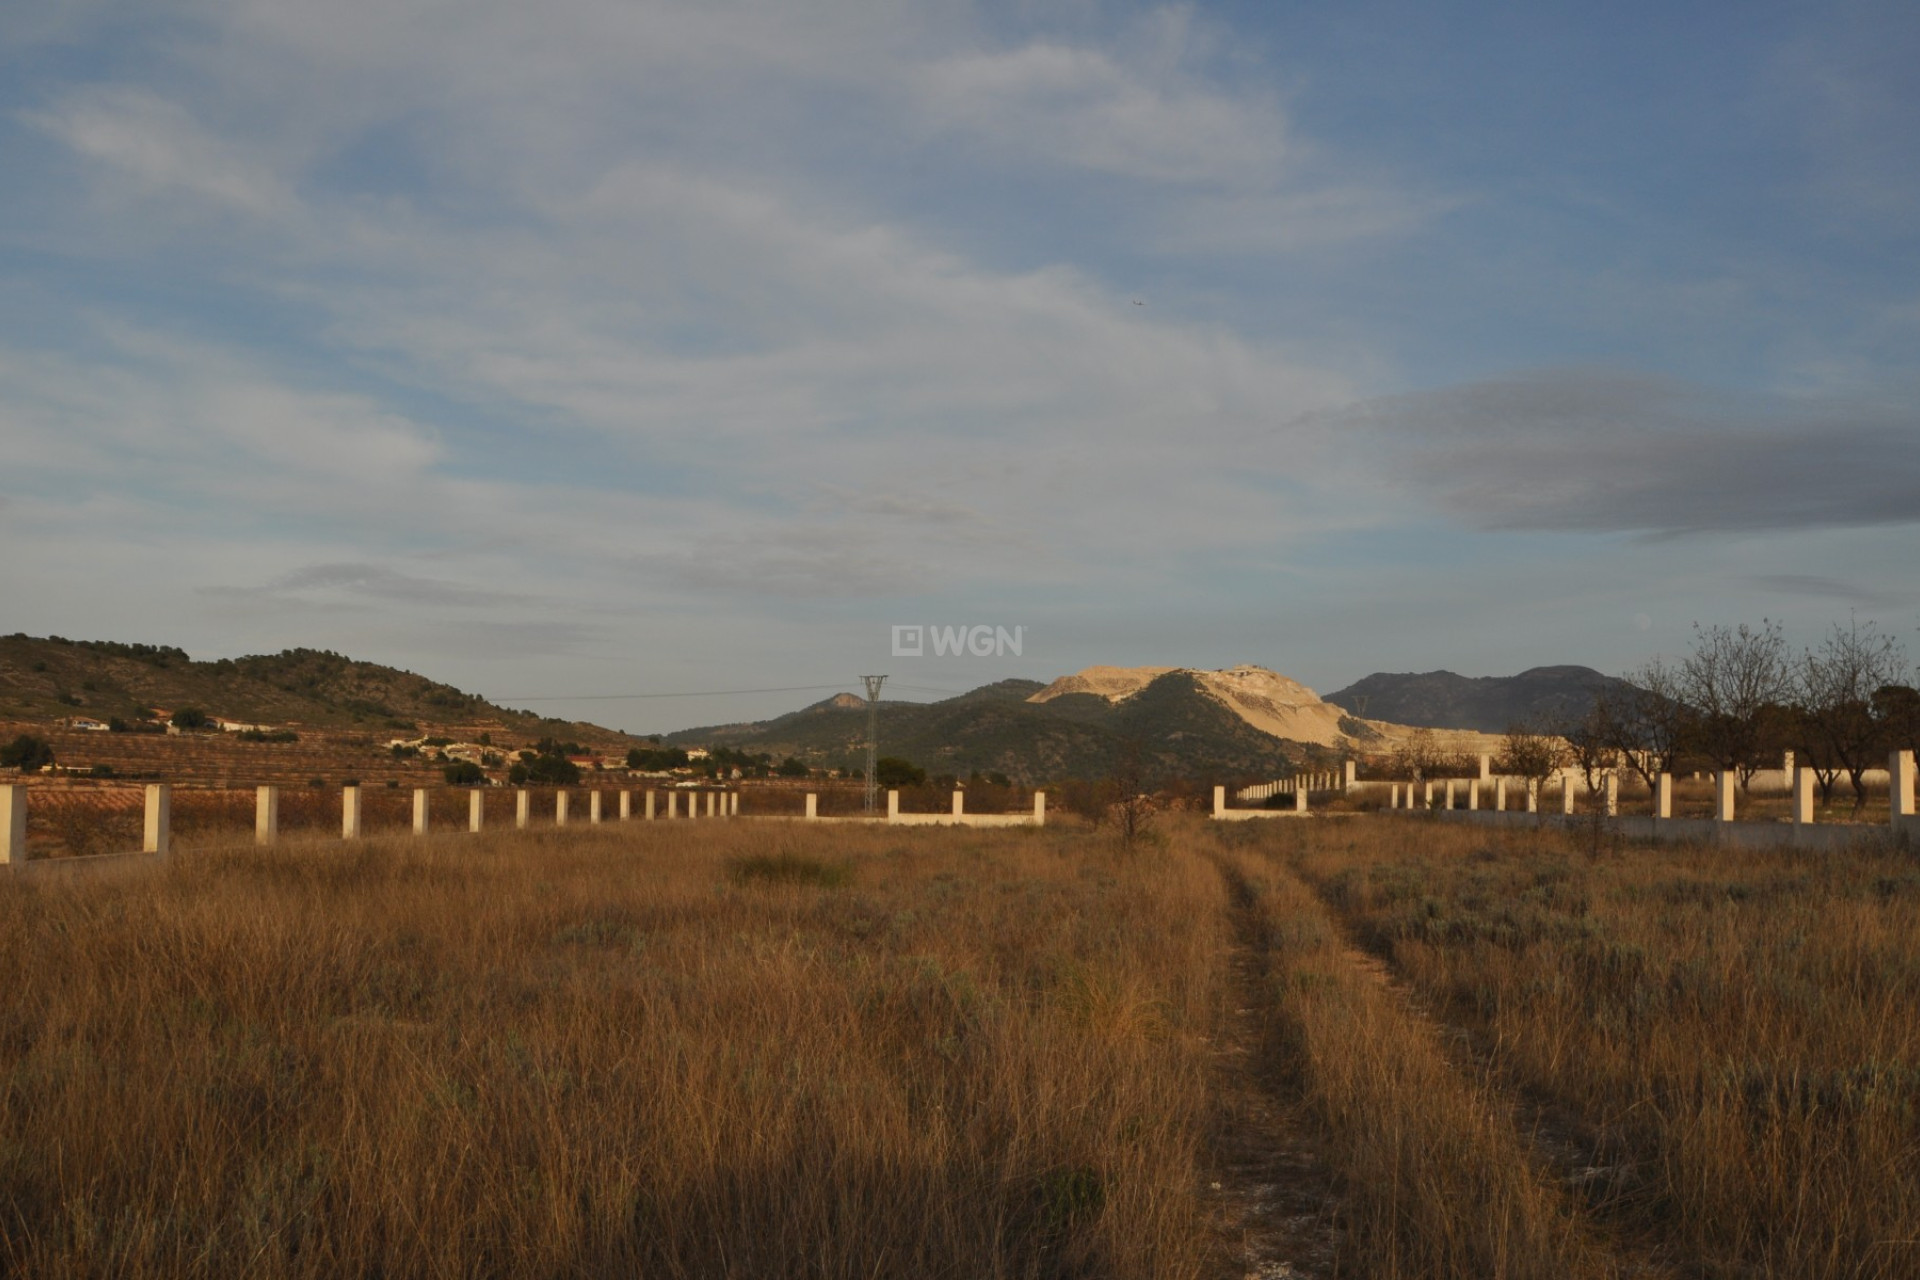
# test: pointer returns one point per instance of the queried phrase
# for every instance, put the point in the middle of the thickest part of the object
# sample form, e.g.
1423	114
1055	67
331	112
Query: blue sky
599	347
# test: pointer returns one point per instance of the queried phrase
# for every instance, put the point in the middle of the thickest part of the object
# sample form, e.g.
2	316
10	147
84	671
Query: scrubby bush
27	754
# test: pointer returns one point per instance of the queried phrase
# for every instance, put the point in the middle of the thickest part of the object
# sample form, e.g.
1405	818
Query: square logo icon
909	641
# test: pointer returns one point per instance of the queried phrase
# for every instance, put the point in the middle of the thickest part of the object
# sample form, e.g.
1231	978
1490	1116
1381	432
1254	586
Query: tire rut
1592	1167
1275	1196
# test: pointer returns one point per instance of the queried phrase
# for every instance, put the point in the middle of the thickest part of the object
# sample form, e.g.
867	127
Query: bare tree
1648	719
1590	744
1531	752
1735	680
1835	687
1897	708
1130	807
1419	756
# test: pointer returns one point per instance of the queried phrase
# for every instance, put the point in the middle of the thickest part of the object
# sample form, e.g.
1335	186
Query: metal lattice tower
873	684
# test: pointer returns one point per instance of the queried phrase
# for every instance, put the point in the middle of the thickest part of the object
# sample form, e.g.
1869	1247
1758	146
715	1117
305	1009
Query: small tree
793	767
26	753
1648	719
1419	756
1531	753
1590	744
1132	807
892	772
550	770
190	718
1835	722
1734	680
464	773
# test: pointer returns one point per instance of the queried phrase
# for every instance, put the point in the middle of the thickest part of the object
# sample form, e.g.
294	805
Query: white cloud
154	147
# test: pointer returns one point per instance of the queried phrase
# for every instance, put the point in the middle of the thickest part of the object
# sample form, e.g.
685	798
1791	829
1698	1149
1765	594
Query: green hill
55	678
1180	732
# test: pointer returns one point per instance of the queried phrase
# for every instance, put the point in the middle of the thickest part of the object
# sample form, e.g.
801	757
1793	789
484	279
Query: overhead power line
700	693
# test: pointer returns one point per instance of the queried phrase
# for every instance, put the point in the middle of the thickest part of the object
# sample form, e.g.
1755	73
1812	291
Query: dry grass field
1355	1047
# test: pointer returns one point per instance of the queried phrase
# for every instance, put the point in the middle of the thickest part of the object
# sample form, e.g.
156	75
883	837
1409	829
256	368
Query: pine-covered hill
53	678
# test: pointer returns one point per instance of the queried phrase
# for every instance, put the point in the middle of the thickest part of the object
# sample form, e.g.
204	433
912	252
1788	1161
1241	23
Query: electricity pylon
873	738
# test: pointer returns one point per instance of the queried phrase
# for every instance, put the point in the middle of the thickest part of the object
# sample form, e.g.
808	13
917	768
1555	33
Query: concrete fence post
893	805
1802	796
650	804
594	811
1393	796
1900	786
159	819
626	805
1039	808
562	805
959	803
712	804
1486	768
419	811
476	810
1300	802
1219	801
13	823
1449	793
733	804
1473	794
813	805
1613	794
673	805
266	815
1787	773
1499	795
1352	775
1723	784
1533	795
349	813
1663	796
1566	794
523	809
1426	795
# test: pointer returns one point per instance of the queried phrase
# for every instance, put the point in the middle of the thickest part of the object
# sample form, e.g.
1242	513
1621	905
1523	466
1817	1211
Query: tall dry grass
1737	1029
715	1050
1438	1181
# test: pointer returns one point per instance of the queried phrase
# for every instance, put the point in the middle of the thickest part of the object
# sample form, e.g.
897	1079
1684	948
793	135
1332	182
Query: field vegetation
1352	1046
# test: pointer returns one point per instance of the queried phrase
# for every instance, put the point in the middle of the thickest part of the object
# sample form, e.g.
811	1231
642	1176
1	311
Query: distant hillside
1547	696
1182	731
55	678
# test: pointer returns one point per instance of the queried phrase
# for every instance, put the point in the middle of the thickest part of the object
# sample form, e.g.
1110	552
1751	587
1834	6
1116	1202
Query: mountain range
1547	697
1244	721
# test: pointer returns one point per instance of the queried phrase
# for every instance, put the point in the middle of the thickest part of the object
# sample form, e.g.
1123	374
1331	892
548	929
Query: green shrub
787	868
27	754
464	773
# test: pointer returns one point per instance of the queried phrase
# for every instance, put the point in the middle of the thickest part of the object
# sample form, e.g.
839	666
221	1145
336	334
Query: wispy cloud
1824	587
1602	451
381	582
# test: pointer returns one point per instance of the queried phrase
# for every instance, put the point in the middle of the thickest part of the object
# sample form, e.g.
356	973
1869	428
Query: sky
587	348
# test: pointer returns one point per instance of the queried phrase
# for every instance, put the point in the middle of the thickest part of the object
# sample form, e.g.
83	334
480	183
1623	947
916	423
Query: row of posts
266	814
720	804
1900	776
157	822
1342	781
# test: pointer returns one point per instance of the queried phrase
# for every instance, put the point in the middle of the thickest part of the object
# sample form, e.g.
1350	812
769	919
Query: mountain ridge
1549	697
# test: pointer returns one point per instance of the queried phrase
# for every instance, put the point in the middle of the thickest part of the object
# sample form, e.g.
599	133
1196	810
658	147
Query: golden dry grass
764	1049
1736	1032
729	1050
